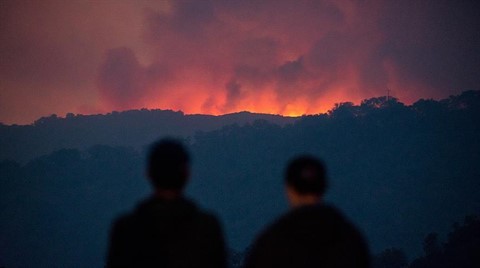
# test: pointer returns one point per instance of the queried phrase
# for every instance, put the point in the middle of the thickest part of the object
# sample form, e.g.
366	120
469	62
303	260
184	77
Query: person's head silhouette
167	229
311	234
305	179
168	167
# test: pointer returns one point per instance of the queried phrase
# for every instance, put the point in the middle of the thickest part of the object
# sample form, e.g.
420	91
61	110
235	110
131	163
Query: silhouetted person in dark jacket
311	234
167	230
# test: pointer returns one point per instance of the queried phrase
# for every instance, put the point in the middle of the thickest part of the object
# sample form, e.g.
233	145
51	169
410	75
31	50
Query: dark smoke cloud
214	56
234	94
436	42
122	78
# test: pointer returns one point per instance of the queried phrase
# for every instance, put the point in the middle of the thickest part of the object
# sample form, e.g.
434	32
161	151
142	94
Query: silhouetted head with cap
168	167
305	179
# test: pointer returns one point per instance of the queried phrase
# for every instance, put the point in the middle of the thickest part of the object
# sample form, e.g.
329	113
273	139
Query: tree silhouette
398	171
460	250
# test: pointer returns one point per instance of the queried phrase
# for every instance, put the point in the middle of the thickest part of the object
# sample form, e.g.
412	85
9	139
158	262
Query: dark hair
168	163
307	175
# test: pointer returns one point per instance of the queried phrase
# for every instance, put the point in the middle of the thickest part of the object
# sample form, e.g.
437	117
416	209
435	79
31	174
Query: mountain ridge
47	134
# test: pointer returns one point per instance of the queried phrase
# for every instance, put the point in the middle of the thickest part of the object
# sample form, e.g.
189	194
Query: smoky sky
214	57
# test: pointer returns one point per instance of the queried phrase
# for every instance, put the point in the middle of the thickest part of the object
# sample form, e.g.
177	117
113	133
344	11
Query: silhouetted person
311	234
167	230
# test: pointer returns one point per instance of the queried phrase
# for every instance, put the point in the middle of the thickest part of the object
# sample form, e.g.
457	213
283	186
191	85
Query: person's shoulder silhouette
311	234
167	230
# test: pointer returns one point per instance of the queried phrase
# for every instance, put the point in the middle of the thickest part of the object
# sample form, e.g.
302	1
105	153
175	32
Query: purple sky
288	57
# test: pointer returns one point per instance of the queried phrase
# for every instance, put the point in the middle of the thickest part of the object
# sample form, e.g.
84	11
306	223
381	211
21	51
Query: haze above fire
216	57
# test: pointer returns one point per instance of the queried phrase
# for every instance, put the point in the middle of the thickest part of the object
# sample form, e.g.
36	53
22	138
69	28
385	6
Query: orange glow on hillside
201	101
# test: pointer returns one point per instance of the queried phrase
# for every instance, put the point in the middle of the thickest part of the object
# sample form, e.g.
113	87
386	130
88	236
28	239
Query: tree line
398	171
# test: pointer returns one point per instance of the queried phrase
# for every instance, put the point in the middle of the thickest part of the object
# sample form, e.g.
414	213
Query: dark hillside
399	172
135	128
